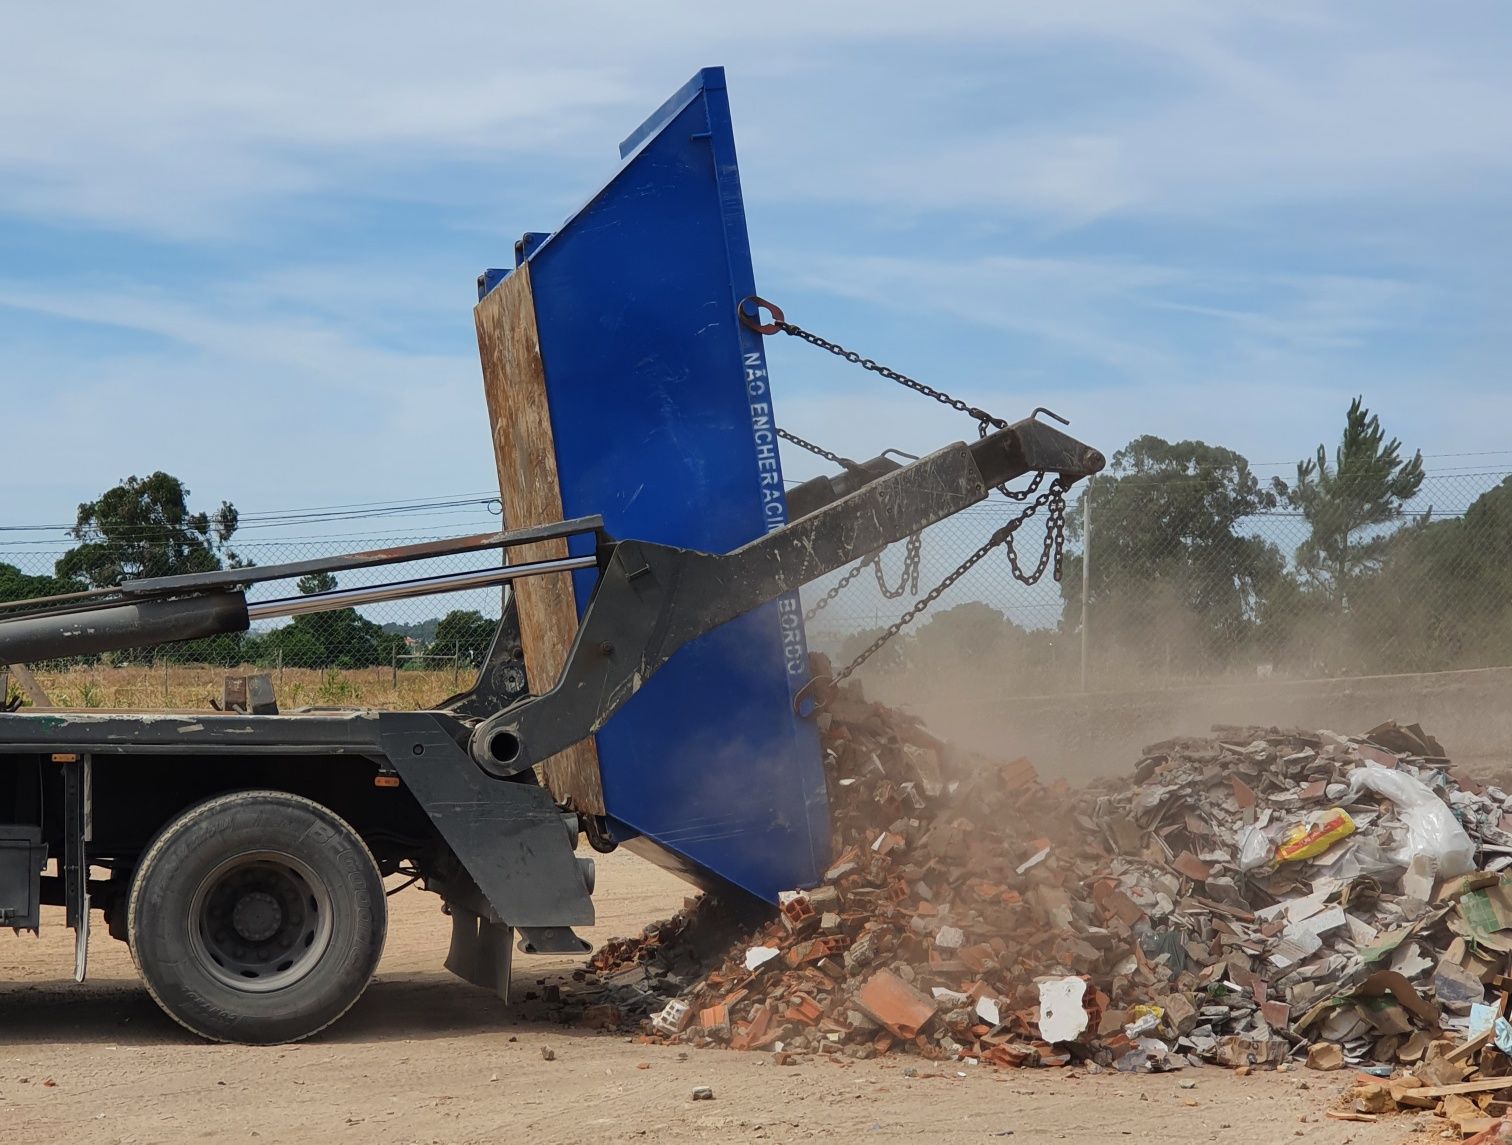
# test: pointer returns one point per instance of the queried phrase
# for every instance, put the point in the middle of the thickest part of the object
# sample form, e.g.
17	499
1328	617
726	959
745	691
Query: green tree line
1183	581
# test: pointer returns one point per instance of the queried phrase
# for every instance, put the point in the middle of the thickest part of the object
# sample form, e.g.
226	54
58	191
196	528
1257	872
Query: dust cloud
1082	736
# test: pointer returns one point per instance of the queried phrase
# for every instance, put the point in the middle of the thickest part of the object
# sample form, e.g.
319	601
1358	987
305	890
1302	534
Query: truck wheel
257	917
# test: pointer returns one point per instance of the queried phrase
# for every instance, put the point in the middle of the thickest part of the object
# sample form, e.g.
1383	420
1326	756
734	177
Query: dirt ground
426	1058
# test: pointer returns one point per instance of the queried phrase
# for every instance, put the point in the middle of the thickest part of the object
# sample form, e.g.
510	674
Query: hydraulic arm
649	601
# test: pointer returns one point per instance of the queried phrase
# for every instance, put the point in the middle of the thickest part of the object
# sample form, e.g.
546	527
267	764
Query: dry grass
195	685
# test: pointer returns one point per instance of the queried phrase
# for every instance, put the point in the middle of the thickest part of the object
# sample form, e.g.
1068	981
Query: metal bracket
551	940
511	837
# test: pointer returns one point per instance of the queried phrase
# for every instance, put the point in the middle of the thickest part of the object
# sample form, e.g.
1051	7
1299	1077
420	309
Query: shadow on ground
120	1012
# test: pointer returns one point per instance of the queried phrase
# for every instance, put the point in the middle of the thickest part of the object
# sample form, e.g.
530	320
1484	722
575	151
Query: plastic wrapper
1432	830
1255	849
1314	835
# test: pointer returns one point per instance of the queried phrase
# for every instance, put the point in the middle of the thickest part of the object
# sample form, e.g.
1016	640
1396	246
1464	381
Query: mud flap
78	816
481	951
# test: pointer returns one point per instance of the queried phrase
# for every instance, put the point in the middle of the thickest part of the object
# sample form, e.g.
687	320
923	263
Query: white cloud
245	403
172	117
1216	125
1099	310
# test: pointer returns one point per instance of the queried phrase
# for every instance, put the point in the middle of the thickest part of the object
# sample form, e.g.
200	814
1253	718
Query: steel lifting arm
652	599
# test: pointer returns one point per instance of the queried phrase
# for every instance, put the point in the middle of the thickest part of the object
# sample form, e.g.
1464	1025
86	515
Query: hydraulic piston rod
160	620
403	590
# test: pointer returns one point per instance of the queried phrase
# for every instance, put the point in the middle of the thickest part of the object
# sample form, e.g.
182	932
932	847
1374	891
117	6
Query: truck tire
256	917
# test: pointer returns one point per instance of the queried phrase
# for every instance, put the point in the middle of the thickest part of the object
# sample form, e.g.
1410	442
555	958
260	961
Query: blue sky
240	244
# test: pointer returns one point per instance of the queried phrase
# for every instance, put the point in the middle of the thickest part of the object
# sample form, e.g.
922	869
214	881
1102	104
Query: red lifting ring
751	319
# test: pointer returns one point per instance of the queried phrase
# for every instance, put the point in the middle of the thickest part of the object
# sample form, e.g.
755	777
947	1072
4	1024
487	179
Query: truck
648	683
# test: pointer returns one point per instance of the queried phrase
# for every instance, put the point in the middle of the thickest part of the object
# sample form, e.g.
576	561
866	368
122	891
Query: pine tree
1364	488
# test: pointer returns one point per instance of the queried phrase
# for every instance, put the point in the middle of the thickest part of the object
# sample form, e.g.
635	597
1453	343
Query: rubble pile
1247	899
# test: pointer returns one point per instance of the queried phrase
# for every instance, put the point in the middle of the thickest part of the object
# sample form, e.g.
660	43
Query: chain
816	450
837	588
908	580
1026	492
1053	551
983	418
986	422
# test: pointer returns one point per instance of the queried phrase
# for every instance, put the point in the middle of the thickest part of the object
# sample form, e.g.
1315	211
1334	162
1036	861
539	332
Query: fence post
1086	573
280	669
394	665
165	681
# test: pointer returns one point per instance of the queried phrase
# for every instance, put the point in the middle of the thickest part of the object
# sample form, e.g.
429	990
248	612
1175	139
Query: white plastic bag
1255	848
1432	829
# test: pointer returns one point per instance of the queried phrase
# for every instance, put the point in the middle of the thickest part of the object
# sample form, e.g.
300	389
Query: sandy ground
426	1058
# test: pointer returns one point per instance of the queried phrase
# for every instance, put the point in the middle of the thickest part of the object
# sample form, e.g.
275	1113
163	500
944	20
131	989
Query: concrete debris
1325	1056
1244	899
1062	1014
758	956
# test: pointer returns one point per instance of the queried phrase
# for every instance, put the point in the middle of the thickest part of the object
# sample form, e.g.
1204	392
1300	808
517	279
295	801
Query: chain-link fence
406	653
1160	591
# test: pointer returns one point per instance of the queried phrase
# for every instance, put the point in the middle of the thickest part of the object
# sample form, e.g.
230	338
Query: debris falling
1245	899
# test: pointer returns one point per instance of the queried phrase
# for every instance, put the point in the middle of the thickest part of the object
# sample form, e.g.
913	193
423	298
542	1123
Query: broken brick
895	1005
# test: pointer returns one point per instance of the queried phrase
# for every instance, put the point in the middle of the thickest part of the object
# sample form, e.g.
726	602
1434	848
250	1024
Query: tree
17	585
316	582
972	639
143	528
1364	488
465	634
1173	579
341	638
888	658
1441	597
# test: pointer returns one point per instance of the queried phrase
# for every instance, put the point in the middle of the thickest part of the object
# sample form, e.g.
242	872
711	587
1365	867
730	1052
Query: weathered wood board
514	382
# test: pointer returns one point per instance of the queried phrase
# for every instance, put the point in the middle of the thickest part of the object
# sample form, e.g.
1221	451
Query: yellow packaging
1320	832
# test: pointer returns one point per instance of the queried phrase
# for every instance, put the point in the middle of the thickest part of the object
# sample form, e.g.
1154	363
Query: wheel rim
260	921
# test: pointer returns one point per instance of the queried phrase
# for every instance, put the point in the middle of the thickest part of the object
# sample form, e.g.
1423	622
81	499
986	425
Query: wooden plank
1483	1085
1469	1047
514	382
34	691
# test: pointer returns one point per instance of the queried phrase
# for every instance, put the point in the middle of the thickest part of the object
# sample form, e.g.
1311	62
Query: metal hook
814	696
1051	413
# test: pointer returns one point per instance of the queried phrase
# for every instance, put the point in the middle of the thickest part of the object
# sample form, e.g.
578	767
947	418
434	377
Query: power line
351	512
